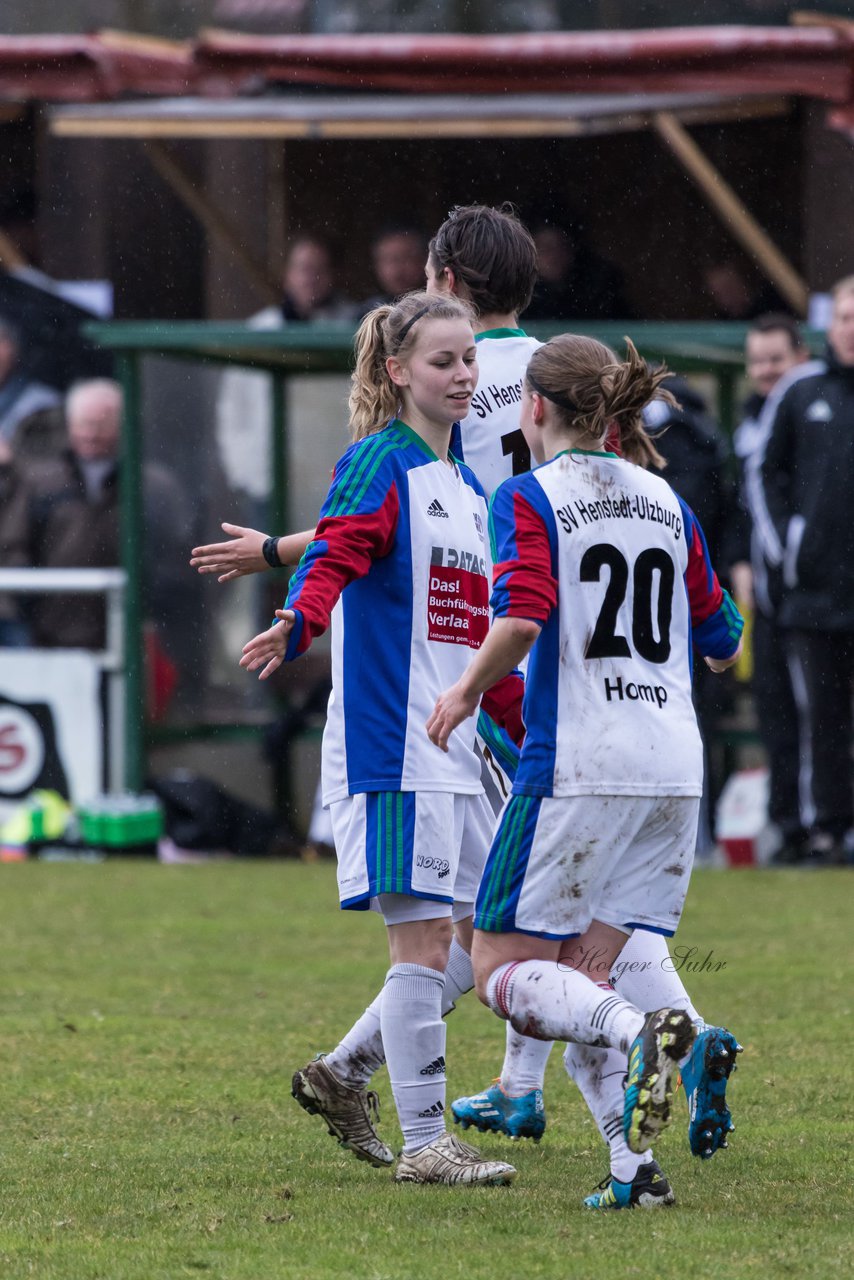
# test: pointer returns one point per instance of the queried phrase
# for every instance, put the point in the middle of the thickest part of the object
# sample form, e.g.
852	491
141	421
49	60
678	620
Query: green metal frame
689	347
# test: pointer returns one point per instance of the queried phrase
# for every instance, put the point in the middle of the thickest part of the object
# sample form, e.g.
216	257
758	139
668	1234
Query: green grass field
152	1017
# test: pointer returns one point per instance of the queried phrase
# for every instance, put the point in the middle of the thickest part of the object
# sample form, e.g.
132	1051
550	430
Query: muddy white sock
524	1063
414	1037
361	1052
550	1002
600	1075
647	976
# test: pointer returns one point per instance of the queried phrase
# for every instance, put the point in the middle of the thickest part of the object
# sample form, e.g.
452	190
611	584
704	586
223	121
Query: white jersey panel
624	722
451	578
442	536
490	431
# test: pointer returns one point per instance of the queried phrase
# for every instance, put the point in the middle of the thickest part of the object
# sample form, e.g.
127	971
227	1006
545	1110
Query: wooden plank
270	126
733	212
212	219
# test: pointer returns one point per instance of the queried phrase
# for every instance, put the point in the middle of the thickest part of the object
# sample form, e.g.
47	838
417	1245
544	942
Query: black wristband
270	553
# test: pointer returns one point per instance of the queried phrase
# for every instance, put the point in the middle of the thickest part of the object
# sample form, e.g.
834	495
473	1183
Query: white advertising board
51	725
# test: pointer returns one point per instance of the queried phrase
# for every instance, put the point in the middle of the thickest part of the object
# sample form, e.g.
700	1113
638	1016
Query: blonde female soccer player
603	577
401	564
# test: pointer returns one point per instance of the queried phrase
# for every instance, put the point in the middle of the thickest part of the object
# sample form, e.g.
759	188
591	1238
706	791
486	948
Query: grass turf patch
151	1019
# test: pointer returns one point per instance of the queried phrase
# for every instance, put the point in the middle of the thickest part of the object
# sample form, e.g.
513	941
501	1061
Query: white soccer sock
646	975
524	1063
414	1037
600	1075
459	976
361	1052
551	1002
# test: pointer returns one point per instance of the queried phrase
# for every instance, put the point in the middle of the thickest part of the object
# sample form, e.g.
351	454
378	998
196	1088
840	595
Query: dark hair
391	330
490	252
595	389
772	321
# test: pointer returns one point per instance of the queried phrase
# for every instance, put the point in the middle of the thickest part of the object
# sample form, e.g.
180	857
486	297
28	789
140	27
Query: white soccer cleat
453	1163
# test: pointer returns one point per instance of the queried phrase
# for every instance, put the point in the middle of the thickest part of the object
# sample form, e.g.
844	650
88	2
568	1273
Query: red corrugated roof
94	68
815	61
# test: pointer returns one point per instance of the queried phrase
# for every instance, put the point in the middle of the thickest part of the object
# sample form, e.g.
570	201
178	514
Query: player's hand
451	709
269	647
235	558
719	665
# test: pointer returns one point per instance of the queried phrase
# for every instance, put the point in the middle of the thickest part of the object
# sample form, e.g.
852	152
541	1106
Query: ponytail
591	390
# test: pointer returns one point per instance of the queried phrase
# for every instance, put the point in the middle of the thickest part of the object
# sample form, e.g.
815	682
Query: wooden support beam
215	223
732	211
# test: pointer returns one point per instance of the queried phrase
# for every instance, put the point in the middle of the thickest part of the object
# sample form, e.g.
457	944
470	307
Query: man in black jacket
800	483
774	346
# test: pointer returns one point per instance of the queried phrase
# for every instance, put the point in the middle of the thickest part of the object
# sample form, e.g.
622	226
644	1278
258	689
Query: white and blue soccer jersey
614	566
489	439
401	554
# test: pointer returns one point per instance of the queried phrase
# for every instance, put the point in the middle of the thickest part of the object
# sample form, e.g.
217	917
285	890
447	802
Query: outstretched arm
243	553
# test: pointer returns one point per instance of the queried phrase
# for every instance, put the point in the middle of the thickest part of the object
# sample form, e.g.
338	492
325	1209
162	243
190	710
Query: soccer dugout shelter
369	88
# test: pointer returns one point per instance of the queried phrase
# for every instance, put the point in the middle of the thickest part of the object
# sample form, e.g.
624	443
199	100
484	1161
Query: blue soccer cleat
494	1111
654	1056
649	1189
705	1077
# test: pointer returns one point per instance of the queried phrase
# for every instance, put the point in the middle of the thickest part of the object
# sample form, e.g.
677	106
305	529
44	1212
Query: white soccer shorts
428	845
557	863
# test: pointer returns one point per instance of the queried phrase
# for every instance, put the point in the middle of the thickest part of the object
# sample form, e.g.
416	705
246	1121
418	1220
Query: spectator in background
574	281
800	481
735	294
697	458
309	289
774	346
398	254
244	401
75	524
30	411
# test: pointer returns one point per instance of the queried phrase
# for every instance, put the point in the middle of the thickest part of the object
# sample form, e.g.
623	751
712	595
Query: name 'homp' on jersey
615	566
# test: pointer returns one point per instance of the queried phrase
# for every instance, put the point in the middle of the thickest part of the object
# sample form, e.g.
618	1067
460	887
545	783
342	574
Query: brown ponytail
390	330
590	390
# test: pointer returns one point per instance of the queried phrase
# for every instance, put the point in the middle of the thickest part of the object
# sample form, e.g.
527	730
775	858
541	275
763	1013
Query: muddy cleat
452	1163
494	1111
705	1076
649	1189
665	1038
349	1113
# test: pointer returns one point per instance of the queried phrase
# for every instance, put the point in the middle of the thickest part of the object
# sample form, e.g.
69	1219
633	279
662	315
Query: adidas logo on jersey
434	1068
436	509
436	1110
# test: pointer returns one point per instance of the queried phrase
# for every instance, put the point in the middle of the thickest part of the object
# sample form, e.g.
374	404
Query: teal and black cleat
649	1189
705	1076
494	1111
654	1056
